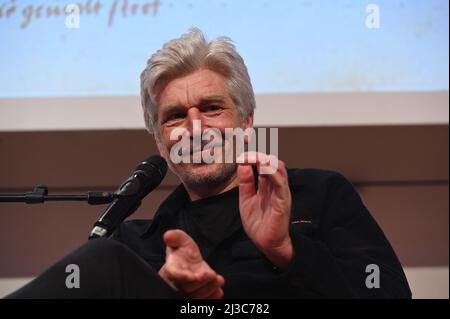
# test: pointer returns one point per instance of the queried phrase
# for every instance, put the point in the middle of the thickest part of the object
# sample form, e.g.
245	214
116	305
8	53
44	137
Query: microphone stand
40	195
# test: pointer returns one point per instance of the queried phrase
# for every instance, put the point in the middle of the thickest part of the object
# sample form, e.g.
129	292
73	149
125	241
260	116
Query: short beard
210	181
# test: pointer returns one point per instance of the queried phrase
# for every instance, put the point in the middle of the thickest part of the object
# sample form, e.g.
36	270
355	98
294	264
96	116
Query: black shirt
334	237
211	220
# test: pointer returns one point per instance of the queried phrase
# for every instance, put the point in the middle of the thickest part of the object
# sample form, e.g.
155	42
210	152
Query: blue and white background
289	46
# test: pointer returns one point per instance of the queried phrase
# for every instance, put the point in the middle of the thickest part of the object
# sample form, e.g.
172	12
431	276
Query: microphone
145	178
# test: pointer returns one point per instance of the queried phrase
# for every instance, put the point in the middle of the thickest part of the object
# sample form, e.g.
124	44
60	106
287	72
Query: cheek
166	143
229	120
165	137
162	143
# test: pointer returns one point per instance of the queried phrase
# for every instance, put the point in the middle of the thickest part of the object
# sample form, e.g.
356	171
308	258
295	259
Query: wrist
281	256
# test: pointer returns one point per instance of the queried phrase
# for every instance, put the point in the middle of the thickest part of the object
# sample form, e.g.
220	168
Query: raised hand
265	213
186	271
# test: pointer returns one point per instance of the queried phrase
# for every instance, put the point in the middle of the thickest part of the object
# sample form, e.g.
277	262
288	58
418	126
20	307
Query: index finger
266	163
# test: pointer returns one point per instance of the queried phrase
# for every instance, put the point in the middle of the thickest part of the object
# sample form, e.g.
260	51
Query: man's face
202	95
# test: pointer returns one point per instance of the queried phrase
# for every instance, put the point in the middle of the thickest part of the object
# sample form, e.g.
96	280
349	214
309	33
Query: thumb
177	239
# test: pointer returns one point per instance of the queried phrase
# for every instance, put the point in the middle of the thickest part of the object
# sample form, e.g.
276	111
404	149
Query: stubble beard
216	178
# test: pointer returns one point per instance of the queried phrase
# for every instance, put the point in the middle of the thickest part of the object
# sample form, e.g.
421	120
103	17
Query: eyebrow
212	99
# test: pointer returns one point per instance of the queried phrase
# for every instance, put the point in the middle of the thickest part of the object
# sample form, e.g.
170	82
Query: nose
194	114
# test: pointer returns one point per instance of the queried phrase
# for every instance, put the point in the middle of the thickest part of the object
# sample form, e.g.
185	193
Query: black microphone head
145	178
155	169
154	161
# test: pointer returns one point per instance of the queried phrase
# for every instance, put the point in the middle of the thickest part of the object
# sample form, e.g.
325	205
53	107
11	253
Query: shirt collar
179	197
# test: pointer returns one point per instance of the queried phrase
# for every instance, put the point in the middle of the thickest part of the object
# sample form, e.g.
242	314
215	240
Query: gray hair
188	54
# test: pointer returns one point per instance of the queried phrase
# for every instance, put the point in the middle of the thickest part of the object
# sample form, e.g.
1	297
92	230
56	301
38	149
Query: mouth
210	150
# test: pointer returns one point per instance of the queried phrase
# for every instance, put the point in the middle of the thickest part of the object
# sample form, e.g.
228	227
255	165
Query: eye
175	116
212	108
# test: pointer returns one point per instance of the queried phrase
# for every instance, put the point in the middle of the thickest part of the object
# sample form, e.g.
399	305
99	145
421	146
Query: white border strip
428	282
273	110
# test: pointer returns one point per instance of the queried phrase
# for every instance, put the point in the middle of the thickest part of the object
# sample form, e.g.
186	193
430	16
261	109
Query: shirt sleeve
342	258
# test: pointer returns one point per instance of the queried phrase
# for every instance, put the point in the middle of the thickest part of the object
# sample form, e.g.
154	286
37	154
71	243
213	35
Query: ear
248	122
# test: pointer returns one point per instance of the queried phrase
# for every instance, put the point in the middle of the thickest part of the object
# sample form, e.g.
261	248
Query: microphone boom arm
40	195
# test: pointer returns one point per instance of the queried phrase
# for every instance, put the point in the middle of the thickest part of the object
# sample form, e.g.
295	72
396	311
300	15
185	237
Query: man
227	230
299	234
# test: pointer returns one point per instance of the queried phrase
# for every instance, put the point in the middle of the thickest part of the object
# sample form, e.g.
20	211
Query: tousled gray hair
188	54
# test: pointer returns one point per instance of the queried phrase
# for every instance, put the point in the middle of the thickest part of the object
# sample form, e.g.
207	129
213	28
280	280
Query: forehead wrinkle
202	87
191	90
